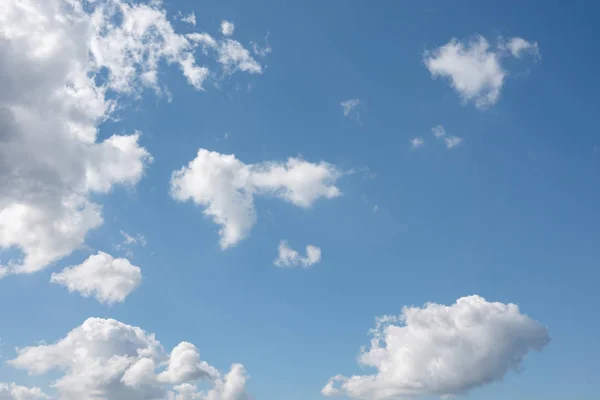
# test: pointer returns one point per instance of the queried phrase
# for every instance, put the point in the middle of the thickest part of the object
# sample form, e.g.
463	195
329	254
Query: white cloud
416	143
262	51
105	358
519	46
130	241
12	391
288	257
231	54
231	387
475	70
349	108
106	278
450	141
133	240
438	131
190	18
226	187
442	350
185	365
65	69
227	28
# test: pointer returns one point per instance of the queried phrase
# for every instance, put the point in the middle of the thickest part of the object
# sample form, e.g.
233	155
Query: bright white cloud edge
105	358
439	350
79	65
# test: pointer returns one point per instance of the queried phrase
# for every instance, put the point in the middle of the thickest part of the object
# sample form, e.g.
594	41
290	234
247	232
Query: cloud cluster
288	257
106	278
440	350
61	78
105	358
12	391
450	141
226	187
475	71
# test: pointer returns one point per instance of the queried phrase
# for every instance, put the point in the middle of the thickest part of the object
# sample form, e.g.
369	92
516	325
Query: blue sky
510	214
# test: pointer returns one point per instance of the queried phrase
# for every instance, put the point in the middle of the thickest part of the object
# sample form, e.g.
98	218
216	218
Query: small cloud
518	47
475	69
289	258
190	18
107	279
349	108
451	141
262	51
375	208
227	28
416	143
130	241
438	131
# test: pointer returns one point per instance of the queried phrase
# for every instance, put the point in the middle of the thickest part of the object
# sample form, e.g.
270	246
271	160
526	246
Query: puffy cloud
66	67
227	28
185	365
226	187
231	387
416	143
105	358
12	391
474	70
288	257
106	278
349	108
440	350
450	141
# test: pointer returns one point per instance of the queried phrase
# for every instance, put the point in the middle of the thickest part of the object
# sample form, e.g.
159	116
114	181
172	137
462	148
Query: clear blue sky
511	214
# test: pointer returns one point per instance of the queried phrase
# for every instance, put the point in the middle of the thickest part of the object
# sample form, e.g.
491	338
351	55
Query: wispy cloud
349	108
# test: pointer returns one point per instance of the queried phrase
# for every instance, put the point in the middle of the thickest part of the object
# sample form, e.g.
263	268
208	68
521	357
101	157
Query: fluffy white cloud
474	70
416	143
106	278
231	387
65	67
288	257
226	187
349	108
227	28
442	350
450	141
12	391
185	365
104	358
